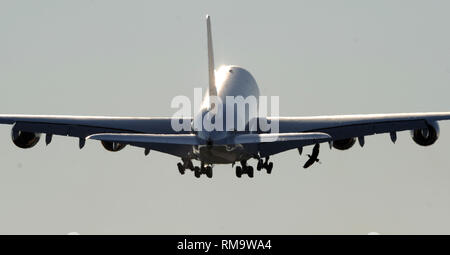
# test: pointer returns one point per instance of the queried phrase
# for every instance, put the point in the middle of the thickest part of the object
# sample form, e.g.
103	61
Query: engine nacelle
25	140
344	144
426	136
112	146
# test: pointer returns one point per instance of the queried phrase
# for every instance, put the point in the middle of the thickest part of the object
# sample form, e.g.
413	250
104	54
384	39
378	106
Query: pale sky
130	58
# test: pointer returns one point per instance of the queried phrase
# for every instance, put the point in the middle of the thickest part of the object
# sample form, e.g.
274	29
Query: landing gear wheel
238	172
197	172
250	171
190	165
209	172
259	166
181	168
269	167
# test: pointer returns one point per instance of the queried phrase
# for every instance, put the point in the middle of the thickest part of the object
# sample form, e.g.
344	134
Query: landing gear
264	164
244	169
186	164
250	171
259	165
238	172
181	168
198	171
208	171
269	168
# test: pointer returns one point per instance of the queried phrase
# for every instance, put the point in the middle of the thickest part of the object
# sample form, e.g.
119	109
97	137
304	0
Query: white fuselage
232	82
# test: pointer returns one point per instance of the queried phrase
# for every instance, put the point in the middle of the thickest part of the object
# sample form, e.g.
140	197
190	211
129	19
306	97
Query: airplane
229	146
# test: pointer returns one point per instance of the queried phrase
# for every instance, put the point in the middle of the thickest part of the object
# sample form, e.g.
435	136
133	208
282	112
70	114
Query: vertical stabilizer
212	79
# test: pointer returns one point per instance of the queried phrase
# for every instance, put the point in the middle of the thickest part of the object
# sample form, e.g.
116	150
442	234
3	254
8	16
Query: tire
181	168
238	172
259	165
197	172
250	171
269	167
209	172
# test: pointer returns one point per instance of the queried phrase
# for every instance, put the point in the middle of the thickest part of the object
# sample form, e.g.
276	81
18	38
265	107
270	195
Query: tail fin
212	78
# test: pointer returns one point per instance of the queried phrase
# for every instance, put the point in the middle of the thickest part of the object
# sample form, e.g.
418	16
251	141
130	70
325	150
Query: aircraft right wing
84	126
131	138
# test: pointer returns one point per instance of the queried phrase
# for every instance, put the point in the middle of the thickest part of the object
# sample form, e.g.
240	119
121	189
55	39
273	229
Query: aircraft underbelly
222	154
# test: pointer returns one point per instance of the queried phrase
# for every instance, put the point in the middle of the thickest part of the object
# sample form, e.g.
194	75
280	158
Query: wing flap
181	139
273	143
281	137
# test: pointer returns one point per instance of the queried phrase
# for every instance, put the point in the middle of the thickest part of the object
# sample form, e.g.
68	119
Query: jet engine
113	146
24	139
344	144
426	136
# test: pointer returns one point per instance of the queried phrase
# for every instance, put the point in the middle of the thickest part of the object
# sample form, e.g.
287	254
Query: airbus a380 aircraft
231	145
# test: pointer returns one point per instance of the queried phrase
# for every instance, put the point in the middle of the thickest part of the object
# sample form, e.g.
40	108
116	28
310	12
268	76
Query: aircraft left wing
341	127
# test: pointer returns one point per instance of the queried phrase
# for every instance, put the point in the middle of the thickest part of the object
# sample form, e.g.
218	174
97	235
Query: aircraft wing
353	126
180	139
180	142
84	126
301	138
192	139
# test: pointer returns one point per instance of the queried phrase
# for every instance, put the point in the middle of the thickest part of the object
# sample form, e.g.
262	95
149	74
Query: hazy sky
130	58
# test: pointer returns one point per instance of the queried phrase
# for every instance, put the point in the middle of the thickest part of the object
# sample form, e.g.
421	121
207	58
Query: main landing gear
207	170
187	164
198	171
264	164
244	169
